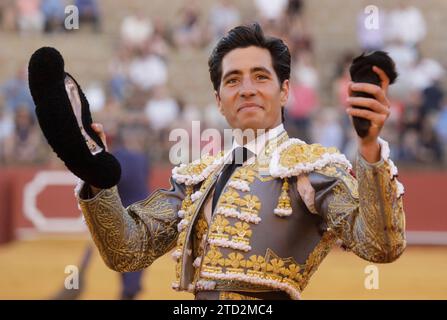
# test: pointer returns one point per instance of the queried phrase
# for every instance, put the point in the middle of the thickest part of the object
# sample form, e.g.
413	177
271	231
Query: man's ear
284	92
219	103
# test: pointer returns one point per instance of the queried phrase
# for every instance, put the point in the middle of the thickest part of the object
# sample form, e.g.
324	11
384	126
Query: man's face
250	95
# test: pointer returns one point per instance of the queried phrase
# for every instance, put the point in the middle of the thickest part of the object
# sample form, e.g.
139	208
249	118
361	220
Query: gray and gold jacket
274	222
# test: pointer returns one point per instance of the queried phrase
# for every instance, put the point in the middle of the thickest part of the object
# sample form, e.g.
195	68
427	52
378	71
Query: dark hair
243	37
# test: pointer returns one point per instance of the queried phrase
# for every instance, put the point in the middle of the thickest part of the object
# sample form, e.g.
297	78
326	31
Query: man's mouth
249	106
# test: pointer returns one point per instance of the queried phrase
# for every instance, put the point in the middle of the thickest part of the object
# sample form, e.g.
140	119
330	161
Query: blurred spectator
8	15
424	73
406	28
425	76
110	117
29	17
133	187
295	26
410	147
441	128
411	115
136	29
54	13
136	101
161	109
421	144
213	117
189	32
404	56
350	147
430	142
148	71
223	16
16	92
405	59
342	80
89	13
304	96
130	152
432	99
411	128
95	96
159	40
303	102
304	71
294	8
326	129
24	145
119	73
269	10
406	24
6	123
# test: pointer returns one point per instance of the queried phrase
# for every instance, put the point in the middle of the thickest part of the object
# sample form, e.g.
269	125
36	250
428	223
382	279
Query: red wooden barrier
27	202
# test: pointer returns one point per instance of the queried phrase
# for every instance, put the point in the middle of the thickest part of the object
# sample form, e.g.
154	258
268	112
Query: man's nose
247	89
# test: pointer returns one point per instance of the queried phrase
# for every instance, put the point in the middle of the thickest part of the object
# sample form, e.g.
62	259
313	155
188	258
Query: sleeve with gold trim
365	212
130	239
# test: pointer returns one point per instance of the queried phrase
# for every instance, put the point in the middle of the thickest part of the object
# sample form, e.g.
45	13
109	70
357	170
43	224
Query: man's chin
253	124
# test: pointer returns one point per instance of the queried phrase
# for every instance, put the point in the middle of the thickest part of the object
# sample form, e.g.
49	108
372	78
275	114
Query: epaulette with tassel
293	158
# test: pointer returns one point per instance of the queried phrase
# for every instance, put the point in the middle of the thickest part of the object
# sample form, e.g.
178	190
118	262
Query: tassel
284	209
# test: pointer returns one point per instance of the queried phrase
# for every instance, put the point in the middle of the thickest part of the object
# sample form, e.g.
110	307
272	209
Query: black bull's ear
361	71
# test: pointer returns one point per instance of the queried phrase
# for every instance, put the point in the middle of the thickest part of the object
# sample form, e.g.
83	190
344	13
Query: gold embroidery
201	228
214	257
240	286
190	208
230	199
275	265
241	230
339	172
293	272
131	239
371	225
264	157
250	204
256	263
268	267
220	227
186	203
245	174
187	206
198	167
224	295
265	178
303	153
316	257
234	262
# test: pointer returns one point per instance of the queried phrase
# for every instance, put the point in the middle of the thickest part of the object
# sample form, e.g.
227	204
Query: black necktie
239	156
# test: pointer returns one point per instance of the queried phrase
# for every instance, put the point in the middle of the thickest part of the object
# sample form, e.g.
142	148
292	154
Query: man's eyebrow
239	72
262	69
231	72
